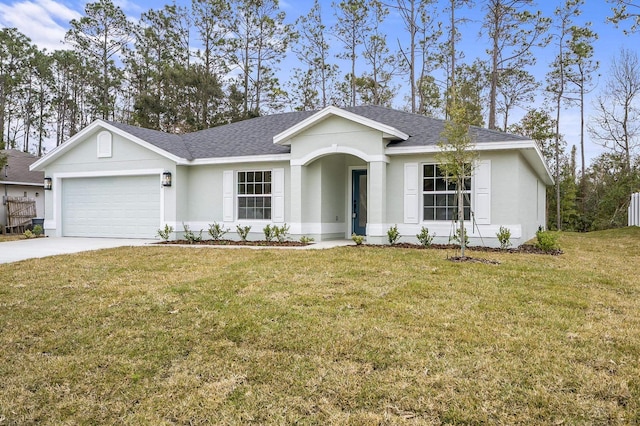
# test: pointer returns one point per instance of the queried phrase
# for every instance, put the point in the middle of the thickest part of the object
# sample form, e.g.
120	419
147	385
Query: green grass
174	335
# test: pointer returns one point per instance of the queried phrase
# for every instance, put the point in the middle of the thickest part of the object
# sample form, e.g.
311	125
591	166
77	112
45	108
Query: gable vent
104	144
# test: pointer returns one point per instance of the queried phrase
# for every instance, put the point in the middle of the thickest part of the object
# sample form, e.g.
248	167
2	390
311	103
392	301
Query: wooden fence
634	210
20	211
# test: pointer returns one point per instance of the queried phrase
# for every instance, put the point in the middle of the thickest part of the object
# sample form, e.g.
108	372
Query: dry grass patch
11	237
171	335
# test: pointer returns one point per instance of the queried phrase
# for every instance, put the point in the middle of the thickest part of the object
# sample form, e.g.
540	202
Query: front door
359	202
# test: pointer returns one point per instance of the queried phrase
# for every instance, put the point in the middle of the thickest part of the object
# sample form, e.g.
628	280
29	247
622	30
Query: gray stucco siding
340	132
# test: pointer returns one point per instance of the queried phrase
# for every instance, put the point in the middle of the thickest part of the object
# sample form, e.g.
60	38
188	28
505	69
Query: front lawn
192	335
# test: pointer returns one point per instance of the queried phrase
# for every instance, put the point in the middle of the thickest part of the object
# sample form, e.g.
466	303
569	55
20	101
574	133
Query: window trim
422	192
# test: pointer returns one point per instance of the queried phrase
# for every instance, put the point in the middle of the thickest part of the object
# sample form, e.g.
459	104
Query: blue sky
46	21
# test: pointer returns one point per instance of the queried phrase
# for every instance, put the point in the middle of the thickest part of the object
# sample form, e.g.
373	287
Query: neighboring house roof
18	172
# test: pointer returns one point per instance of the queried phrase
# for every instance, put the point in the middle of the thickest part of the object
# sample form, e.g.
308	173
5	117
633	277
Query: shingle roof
169	142
248	137
18	170
255	136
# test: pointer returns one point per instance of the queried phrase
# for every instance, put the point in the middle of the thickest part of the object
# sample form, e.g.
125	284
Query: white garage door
122	207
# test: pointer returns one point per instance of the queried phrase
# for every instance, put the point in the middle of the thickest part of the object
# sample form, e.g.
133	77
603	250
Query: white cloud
45	22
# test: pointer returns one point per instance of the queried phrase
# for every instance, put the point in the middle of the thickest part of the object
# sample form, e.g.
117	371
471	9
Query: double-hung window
440	198
254	195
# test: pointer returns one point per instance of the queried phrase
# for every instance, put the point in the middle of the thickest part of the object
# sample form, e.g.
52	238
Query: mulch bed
525	248
237	243
473	260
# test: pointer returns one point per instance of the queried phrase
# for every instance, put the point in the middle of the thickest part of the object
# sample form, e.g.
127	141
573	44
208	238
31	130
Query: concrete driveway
14	251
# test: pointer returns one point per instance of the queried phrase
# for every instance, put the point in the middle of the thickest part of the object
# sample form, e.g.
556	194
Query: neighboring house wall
634	210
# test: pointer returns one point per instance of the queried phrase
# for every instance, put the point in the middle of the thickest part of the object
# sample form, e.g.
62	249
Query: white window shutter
411	193
227	196
482	185
277	196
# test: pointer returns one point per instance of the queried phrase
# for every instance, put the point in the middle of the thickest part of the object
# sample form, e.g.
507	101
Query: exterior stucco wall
532	200
339	132
202	197
517	200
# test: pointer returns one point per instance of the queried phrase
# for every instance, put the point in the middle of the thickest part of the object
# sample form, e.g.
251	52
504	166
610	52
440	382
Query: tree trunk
463	233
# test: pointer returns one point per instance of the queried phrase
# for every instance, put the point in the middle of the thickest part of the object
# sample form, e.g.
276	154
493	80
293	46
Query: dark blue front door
359	202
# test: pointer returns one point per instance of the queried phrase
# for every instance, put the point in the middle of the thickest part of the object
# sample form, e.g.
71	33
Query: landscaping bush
217	231
424	237
504	237
165	233
393	235
547	241
243	231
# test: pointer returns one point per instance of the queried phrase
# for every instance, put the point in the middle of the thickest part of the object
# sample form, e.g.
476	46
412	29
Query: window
254	195
440	201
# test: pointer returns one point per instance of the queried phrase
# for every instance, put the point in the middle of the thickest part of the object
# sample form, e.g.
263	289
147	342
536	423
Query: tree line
186	68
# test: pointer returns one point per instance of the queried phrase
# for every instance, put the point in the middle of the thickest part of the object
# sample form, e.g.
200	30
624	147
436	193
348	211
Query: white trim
108	173
244	159
483	146
337	149
7	183
388	132
78	137
442	229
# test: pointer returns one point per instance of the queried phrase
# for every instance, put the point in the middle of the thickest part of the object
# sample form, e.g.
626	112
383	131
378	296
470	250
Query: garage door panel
123	206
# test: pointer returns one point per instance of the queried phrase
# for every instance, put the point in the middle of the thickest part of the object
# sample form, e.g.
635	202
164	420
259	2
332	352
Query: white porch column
296	200
377	200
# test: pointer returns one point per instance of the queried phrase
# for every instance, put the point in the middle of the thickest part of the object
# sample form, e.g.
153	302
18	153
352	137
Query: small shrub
456	238
306	240
358	239
504	237
547	241
165	233
281	232
424	237
269	232
243	231
393	235
37	230
29	234
190	236
217	231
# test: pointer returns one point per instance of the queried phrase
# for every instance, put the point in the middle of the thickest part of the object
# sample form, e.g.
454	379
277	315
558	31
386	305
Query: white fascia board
235	160
529	148
388	132
6	182
485	146
75	139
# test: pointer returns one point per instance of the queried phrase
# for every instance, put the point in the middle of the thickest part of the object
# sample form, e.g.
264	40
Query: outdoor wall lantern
48	183
166	178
